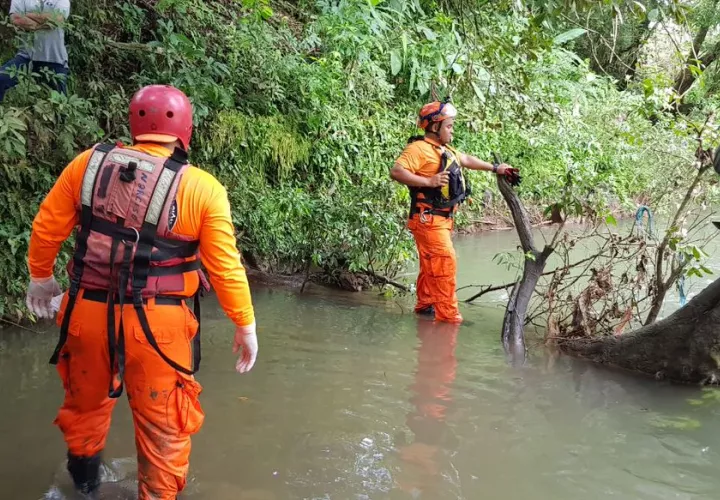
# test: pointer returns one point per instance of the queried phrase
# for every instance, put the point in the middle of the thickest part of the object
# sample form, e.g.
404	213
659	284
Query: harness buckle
74	287
137	298
137	238
127	174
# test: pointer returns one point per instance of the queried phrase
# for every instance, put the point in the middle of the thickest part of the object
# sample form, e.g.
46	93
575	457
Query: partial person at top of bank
42	48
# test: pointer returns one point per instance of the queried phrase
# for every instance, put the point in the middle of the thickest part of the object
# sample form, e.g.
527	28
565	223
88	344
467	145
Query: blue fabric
21	62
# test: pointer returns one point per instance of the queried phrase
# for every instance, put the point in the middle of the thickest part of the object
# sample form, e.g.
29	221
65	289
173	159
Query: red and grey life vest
125	249
441	200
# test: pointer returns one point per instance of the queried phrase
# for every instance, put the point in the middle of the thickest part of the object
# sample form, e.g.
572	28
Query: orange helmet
435	112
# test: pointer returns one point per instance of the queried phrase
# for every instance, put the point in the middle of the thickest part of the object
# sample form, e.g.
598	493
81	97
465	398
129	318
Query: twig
17	325
508	285
388	281
490	289
134	46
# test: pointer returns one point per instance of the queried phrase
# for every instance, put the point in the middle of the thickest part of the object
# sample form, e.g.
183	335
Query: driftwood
684	347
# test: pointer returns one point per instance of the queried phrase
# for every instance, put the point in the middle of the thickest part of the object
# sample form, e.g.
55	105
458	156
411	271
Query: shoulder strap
86	218
141	262
86	214
148	231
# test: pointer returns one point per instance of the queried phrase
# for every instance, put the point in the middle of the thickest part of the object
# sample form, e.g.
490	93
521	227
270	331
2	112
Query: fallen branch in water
508	285
486	289
388	281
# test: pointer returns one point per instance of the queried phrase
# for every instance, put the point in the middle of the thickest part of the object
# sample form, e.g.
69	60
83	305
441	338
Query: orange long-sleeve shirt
203	214
422	157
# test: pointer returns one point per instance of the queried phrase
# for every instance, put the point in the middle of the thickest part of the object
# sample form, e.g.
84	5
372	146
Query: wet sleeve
56	218
15	7
410	159
221	258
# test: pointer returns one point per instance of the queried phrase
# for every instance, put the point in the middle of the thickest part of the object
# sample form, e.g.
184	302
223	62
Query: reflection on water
354	398
426	458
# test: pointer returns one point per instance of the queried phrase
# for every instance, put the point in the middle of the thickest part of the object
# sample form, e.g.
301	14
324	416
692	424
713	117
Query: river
355	398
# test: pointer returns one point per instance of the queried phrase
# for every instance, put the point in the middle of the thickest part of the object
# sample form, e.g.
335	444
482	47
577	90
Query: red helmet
435	112
161	113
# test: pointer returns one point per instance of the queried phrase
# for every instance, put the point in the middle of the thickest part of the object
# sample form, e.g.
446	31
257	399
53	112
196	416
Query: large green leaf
569	35
395	62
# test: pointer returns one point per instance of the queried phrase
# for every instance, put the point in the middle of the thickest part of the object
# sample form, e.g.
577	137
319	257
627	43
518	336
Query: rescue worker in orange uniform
433	172
145	221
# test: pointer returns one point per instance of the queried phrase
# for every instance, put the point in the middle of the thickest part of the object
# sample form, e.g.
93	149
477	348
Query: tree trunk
657	303
684	347
513	337
516	312
686	78
640	38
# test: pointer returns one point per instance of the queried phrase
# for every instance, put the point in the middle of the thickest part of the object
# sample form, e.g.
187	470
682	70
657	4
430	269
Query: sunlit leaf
569	35
395	62
429	34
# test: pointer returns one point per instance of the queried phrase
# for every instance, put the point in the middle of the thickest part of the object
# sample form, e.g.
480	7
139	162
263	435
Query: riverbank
301	121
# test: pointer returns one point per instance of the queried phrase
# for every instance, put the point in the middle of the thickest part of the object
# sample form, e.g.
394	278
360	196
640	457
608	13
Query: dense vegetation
302	107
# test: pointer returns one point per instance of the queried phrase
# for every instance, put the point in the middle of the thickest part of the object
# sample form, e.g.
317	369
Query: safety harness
141	248
441	200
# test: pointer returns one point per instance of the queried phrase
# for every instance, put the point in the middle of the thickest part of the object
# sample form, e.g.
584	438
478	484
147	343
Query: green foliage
301	111
675	423
250	144
710	397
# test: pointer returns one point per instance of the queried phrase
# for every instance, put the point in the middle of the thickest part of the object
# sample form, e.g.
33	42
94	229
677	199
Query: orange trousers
164	402
438	265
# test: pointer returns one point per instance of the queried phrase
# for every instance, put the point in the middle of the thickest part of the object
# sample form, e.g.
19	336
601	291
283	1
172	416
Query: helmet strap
433	128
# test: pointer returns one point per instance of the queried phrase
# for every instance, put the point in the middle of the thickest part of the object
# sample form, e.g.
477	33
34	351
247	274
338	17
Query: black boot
428	311
85	472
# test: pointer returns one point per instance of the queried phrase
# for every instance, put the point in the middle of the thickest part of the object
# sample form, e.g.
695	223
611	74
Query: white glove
56	302
39	295
245	338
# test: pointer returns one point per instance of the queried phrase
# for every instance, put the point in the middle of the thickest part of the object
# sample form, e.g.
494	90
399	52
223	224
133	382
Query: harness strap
160	300
86	219
185	267
116	392
448	214
170	249
141	262
197	345
167	248
110	301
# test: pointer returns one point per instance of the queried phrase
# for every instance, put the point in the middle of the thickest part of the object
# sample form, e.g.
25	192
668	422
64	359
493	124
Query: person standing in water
146	220
432	171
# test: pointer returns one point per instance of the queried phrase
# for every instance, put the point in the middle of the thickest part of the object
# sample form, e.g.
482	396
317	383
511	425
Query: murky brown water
355	398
